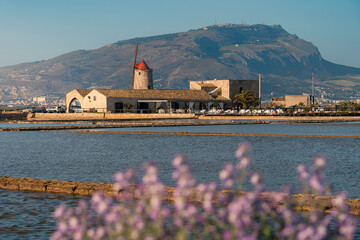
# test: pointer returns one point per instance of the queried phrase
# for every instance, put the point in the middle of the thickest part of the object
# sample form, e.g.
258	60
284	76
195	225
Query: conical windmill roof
142	66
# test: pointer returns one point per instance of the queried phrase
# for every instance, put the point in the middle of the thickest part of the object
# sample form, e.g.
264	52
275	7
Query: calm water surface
293	129
97	157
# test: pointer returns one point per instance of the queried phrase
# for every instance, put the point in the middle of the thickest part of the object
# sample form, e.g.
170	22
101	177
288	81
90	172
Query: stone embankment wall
103	116
81	125
12	116
286	118
304	202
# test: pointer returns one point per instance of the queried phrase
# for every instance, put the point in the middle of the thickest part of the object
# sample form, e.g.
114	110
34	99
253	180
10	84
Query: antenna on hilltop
215	20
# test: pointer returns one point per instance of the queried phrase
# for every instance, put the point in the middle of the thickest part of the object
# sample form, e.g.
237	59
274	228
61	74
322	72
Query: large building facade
142	98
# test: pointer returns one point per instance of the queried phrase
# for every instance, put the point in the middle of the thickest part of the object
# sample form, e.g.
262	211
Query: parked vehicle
38	110
53	109
242	111
75	109
27	110
267	112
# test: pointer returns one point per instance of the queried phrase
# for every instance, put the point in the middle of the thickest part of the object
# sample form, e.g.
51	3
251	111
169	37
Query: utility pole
260	89
313	89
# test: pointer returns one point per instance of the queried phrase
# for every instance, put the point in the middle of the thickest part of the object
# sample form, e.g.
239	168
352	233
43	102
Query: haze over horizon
40	30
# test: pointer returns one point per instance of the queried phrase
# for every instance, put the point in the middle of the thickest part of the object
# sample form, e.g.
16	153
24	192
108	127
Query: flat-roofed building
227	88
291	100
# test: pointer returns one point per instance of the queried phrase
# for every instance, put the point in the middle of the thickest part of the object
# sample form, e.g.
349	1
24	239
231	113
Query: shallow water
97	157
291	129
28	215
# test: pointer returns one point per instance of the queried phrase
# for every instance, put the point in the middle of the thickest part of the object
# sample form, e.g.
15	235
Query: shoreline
304	202
201	120
124	124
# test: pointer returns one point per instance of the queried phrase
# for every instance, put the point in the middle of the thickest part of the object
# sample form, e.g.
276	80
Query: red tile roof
142	66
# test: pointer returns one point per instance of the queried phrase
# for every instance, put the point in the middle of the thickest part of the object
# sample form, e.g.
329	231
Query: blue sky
34	30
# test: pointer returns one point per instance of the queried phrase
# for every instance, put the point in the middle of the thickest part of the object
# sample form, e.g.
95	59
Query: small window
139	73
94	98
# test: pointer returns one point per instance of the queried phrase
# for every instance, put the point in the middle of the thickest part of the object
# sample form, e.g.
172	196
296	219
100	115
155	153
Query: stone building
227	88
291	100
278	102
143	100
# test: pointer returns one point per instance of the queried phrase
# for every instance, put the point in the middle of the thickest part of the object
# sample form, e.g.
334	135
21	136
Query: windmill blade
133	69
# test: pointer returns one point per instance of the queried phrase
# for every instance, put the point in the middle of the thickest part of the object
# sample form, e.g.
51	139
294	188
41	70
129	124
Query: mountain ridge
235	51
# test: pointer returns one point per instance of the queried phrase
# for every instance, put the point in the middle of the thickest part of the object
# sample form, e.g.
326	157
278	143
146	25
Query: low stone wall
120	124
304	202
285	118
12	116
104	116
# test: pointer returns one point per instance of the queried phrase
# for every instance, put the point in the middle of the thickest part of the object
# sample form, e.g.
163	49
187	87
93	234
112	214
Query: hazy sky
34	30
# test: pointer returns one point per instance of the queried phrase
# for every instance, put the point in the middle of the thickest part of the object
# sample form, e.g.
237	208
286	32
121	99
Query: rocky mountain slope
285	61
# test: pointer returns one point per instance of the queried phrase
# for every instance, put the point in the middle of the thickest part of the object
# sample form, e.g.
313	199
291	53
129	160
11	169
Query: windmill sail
133	69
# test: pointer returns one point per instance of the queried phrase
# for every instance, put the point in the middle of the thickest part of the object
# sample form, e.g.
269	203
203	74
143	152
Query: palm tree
245	98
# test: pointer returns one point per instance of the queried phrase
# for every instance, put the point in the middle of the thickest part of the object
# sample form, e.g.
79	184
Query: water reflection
28	215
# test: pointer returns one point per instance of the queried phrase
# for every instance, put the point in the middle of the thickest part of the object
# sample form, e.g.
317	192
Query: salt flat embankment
121	124
35	117
304	202
285	119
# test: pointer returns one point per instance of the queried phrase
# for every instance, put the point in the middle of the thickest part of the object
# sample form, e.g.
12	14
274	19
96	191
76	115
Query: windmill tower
142	74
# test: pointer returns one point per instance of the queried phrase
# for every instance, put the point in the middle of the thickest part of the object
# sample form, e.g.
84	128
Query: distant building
227	88
39	100
291	100
47	100
278	102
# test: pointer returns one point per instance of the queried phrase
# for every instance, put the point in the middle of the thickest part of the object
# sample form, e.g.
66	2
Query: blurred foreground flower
203	212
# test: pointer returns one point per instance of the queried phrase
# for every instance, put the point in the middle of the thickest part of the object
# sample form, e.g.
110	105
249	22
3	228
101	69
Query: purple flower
248	215
151	175
227	172
304	174
179	160
340	201
320	162
61	211
100	202
255	179
316	184
242	150
227	235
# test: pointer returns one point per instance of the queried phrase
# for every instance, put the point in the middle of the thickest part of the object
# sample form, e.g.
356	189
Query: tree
347	106
127	107
245	98
301	105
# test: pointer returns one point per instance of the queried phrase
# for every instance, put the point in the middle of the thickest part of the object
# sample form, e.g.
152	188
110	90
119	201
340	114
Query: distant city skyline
40	29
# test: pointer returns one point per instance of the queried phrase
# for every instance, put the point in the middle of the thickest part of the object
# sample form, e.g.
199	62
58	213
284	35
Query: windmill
133	69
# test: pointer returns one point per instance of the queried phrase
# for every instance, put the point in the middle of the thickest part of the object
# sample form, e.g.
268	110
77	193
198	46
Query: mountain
233	51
